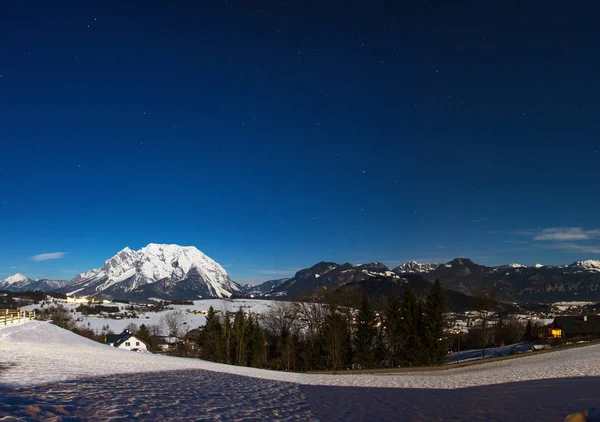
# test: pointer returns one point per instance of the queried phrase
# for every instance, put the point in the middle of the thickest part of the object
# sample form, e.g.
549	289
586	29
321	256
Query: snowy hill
21	283
78	379
160	271
69	356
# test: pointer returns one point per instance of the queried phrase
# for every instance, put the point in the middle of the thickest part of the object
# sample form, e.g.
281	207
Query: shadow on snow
205	395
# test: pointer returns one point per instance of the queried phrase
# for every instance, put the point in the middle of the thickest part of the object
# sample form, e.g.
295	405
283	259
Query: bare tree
60	316
172	324
281	318
282	323
484	303
132	327
313	317
153	334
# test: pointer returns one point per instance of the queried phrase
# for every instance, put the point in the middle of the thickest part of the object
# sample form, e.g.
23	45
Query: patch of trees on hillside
331	336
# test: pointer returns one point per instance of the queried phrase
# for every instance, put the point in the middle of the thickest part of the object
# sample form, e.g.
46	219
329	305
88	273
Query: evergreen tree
226	338
422	351
239	334
411	345
529	336
380	349
366	332
256	344
434	325
393	331
144	335
211	338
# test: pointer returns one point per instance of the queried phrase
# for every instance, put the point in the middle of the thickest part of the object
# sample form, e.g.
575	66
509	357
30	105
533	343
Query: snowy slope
162	271
69	356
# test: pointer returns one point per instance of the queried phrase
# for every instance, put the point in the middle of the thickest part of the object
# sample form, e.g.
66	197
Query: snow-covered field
192	320
46	371
41	352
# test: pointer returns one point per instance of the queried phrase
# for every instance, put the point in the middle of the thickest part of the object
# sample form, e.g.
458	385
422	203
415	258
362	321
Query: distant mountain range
262	288
520	283
373	279
19	282
183	272
512	283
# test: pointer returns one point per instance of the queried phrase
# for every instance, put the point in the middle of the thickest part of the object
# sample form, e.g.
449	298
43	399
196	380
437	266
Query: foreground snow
37	352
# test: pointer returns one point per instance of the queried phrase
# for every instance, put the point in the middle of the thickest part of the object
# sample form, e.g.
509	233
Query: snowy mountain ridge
19	282
415	267
589	265
173	270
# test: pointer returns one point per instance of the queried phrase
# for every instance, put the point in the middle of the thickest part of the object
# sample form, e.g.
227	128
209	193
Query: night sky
273	135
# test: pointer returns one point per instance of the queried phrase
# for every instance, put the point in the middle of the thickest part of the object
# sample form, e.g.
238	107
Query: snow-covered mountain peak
16	278
590	265
415	267
169	264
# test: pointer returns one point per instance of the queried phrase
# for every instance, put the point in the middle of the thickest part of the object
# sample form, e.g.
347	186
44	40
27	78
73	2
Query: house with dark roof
126	340
194	335
576	326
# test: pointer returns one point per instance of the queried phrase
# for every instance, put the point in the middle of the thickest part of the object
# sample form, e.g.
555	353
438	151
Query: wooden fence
10	316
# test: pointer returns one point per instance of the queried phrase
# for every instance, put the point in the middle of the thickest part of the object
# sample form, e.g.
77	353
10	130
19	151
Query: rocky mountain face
328	276
519	283
158	271
21	283
353	281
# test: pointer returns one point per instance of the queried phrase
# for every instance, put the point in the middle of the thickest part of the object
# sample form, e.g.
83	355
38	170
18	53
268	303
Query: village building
575	327
126	340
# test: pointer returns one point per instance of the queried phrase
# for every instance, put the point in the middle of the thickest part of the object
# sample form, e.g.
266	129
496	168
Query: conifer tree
393	330
256	344
144	335
380	348
211	337
434	325
366	332
239	334
226	338
529	336
411	345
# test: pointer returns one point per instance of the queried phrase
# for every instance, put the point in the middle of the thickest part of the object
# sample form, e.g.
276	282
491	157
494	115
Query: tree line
331	336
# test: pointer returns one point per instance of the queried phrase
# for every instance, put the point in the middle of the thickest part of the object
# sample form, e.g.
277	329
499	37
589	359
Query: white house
126	341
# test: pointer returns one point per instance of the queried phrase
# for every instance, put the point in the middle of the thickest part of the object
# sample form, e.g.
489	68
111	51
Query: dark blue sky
274	135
